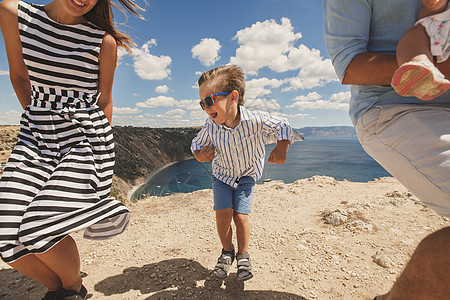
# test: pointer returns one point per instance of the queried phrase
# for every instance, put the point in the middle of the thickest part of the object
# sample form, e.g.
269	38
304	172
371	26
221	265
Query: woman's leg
64	260
31	266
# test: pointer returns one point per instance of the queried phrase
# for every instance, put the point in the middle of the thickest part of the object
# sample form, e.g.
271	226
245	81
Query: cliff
142	150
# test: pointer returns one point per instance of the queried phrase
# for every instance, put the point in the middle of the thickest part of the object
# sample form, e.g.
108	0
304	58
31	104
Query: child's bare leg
414	46
242	231
243	235
223	223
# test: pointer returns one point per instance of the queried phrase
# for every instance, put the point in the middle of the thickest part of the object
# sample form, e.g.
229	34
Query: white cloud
189	104
4	73
148	66
121	52
265	44
268	105
11	117
207	51
294	116
313	100
120	120
310	97
197	117
125	110
316	73
162	89
257	87
171	118
174	114
272	45
157	102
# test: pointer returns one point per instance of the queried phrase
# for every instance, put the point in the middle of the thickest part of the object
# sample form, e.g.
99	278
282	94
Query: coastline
147	179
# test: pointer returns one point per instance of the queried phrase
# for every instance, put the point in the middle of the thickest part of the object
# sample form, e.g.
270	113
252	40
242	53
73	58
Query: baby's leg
417	76
444	67
414	46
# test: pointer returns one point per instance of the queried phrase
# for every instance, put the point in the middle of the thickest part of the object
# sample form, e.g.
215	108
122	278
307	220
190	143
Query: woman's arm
107	66
18	72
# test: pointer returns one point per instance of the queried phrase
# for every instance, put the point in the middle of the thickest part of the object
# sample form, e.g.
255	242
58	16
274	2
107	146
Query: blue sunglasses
209	100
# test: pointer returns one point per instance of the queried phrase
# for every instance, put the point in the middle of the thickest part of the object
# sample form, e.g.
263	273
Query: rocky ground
316	238
8	138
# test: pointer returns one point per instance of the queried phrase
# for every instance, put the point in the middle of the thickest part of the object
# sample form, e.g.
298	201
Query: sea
337	157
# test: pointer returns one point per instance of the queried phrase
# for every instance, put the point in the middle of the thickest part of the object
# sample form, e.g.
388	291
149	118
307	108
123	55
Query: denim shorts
239	199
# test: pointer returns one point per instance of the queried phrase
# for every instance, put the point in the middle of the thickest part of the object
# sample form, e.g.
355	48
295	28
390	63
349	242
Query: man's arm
370	69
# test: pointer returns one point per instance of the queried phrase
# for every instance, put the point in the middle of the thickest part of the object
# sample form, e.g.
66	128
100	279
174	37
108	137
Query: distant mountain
272	139
331	131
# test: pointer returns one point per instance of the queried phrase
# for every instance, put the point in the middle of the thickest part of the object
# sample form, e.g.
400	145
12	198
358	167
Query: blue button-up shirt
352	27
240	151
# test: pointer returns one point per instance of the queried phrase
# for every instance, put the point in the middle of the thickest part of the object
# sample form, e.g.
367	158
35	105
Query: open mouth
79	4
213	115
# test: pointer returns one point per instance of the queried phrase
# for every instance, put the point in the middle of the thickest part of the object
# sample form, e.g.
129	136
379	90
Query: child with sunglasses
232	138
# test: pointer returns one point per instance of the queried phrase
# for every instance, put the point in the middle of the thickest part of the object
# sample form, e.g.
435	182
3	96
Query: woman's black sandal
74	295
52	295
223	264
244	266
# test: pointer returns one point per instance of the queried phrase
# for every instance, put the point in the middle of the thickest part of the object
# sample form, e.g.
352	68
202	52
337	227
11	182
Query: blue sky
278	43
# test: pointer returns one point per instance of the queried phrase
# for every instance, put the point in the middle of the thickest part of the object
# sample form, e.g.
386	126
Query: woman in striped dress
62	58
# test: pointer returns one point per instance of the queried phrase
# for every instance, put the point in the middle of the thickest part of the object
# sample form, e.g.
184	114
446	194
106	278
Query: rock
359	225
382	260
335	218
394	194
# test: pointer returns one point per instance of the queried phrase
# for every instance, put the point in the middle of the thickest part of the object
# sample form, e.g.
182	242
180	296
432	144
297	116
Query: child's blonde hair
226	79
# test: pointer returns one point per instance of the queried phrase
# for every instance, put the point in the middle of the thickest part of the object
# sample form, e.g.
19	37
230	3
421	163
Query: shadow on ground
181	279
14	286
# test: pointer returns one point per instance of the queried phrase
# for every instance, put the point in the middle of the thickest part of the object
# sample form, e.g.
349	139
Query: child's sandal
244	266
223	264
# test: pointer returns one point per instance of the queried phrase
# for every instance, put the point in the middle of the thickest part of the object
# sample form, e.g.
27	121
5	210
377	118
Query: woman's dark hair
102	16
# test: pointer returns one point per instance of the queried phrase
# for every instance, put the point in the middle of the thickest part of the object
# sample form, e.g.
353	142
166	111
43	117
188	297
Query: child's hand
278	154
206	154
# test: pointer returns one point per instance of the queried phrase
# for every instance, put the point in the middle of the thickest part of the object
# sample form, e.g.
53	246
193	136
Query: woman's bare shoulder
8	8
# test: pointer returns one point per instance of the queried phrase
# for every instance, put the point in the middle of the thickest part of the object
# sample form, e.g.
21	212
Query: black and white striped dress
59	175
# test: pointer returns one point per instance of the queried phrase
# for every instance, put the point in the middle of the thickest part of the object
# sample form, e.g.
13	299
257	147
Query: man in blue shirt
410	138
